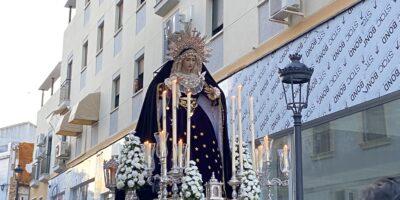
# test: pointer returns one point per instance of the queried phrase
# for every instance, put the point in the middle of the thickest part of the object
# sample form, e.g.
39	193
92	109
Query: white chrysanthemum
250	186
131	164
120	184
131	183
192	183
141	182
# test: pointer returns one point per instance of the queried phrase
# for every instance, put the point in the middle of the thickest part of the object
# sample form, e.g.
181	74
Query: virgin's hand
212	92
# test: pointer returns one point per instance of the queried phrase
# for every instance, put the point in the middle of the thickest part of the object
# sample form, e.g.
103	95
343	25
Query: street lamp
110	169
294	76
18	171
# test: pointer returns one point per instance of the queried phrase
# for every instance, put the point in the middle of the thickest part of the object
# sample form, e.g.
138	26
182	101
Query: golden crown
188	40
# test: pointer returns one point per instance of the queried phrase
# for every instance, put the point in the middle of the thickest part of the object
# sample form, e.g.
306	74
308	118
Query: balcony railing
65	91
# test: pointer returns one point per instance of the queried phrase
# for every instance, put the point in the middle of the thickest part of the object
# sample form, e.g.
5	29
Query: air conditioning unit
62	150
280	10
41	140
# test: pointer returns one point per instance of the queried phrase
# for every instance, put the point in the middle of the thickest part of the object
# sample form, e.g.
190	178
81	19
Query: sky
31	38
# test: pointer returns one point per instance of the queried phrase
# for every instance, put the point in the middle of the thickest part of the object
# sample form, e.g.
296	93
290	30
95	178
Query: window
115	93
65	88
140	2
217	16
78	145
118	15
48	149
139	73
69	70
87	2
118	27
83	192
172	25
100	36
100	44
166	33
374	124
86	14
140	16
85	54
322	140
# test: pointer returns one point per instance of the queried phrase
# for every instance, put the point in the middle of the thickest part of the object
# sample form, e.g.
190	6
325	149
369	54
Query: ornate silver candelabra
266	179
234	183
166	178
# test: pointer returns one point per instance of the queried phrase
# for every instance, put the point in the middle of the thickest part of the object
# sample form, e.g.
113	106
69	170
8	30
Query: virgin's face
188	64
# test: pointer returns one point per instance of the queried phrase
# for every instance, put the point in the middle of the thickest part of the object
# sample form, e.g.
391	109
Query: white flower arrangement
250	186
131	170
192	183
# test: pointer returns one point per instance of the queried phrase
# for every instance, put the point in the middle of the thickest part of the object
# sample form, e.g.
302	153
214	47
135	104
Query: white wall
23	132
4	165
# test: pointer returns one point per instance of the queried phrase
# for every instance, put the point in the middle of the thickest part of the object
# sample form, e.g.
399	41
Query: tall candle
253	145
267	150
164	116
162	143
174	124
285	156
260	159
188	106
164	152
164	110
239	88
255	161
146	153
233	137
180	150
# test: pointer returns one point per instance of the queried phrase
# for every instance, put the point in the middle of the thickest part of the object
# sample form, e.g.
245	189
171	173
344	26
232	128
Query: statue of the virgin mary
209	137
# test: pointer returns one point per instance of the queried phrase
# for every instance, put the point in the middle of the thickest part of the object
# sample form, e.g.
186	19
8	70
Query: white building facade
113	48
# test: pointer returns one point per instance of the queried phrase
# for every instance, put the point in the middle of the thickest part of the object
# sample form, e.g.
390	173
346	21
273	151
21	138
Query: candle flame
285	150
266	141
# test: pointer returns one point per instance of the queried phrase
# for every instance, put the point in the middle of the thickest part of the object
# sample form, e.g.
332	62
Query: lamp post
18	171
294	76
110	169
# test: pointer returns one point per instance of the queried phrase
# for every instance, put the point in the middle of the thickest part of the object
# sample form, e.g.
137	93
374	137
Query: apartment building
16	147
112	49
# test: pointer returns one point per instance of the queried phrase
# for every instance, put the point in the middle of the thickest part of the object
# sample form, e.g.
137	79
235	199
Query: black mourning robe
210	152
